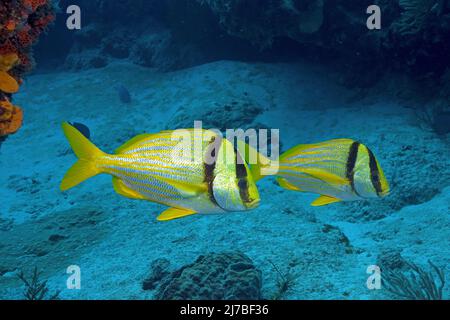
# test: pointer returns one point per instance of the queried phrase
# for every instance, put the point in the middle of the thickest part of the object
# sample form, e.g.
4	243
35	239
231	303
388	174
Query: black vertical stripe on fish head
241	176
351	162
209	170
241	170
374	172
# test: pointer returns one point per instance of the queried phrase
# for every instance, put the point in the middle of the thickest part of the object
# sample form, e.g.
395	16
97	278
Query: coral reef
215	276
21	23
420	285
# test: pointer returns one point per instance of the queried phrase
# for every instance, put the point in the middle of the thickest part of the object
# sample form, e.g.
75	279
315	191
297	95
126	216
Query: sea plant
36	289
284	283
434	119
414	16
417	284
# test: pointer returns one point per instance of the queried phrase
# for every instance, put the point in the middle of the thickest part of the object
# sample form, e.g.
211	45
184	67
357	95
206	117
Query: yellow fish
338	170
153	167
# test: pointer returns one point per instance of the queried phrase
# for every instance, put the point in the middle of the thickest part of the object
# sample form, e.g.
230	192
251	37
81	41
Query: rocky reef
170	34
214	276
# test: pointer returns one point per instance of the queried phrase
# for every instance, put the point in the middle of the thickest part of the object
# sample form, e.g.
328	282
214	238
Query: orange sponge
7	61
7	83
10	118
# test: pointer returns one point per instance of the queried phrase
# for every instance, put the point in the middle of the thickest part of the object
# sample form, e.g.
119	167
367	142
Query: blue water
145	66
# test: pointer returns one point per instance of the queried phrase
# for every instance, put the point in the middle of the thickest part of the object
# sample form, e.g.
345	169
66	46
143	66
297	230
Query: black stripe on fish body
374	172
351	162
241	176
209	169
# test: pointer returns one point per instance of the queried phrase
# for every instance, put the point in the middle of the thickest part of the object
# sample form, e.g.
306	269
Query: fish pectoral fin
287	185
174	213
189	190
122	189
324	200
326	176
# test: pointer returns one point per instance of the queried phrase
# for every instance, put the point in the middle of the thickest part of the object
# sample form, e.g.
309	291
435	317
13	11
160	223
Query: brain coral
215	276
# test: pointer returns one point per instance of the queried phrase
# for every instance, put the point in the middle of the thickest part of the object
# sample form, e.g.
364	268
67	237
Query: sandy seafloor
114	239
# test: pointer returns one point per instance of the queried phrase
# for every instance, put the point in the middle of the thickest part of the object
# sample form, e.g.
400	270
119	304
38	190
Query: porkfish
153	167
337	170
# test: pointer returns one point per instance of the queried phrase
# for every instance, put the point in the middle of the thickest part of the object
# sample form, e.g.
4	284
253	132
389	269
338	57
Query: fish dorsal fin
174	213
287	185
324	175
313	148
130	143
189	190
324	200
122	189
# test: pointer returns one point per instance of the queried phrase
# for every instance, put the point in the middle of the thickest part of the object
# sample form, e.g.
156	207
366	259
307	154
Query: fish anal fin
174	213
324	200
122	189
287	185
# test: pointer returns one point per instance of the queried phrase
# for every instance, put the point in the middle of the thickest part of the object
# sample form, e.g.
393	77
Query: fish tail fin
87	153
